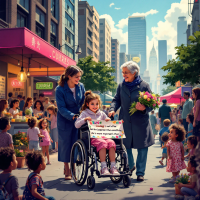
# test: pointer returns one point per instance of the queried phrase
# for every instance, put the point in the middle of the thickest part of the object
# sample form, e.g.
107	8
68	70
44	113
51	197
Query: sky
161	19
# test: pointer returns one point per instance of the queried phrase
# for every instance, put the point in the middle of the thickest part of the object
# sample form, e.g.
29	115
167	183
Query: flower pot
21	162
177	189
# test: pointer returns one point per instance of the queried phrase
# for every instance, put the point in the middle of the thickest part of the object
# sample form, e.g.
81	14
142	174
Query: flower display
147	99
20	139
183	178
19	153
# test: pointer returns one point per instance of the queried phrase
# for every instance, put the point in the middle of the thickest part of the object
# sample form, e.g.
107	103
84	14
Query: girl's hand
140	107
51	140
107	119
88	119
180	185
194	124
112	113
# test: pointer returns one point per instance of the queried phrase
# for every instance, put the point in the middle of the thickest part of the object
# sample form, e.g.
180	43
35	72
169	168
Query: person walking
70	95
137	127
187	108
164	112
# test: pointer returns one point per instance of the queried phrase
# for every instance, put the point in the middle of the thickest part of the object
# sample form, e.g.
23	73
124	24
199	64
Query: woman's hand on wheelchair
112	113
88	119
107	119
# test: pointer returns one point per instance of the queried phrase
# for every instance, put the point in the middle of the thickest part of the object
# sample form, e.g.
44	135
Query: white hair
132	66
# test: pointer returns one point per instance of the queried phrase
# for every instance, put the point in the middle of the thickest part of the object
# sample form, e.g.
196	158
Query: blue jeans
34	145
52	144
50	198
141	160
185	124
188	191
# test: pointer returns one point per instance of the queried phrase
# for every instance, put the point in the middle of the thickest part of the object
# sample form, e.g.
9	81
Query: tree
186	67
168	90
97	76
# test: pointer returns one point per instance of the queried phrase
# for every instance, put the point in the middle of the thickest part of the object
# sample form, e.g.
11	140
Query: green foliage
97	76
19	153
168	90
186	66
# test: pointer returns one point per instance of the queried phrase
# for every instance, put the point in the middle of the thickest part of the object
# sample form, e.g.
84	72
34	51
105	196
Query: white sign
103	129
2	87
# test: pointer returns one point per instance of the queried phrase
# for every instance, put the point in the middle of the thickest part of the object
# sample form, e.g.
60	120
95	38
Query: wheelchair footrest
121	174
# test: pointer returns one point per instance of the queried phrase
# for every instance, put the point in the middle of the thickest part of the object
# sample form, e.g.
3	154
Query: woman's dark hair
26	103
181	120
6	157
33	160
69	71
4	122
40	124
193	140
41	107
187	93
180	131
32	122
53	108
41	95
191	117
13	101
193	162
10	94
165	137
197	93
3	102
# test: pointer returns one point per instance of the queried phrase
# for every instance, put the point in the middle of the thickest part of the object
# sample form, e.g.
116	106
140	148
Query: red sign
48	93
16	83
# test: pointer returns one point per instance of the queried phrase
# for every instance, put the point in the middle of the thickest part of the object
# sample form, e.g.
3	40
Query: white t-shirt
13	112
32	133
74	92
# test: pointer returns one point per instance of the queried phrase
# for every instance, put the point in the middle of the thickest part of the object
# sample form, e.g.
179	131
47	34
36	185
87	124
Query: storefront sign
103	129
136	59
44	86
48	93
2	87
17	84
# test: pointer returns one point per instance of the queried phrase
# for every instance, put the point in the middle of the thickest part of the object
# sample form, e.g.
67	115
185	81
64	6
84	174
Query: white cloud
124	22
117	8
112	4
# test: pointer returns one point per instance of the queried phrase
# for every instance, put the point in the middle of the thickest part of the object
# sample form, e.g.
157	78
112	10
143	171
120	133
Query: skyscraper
137	39
122	60
181	31
162	57
122	48
153	69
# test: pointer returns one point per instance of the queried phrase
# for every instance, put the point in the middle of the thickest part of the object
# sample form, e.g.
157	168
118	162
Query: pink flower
155	98
154	105
21	151
146	93
152	97
149	96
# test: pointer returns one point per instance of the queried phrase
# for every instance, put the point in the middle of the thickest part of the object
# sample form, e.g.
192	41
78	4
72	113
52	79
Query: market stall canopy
173	97
42	58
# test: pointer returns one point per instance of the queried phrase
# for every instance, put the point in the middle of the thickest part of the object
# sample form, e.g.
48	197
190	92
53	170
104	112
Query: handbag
196	129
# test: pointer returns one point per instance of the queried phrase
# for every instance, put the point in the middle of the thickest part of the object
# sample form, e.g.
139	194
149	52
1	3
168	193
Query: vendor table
18	126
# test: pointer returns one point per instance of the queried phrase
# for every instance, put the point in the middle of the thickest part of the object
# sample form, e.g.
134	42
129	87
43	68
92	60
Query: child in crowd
175	151
14	106
3	107
180	122
10	95
34	185
28	106
5	138
166	123
33	134
46	140
165	139
189	189
190	119
38	109
90	111
53	119
174	116
10	182
191	144
46	105
41	97
53	102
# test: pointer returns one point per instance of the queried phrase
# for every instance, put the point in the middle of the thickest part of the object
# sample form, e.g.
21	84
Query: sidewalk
156	177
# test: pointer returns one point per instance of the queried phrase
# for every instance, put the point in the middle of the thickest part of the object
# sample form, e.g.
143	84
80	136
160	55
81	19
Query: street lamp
22	74
78	50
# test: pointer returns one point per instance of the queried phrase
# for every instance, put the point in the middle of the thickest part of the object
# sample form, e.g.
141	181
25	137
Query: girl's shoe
54	151
105	171
48	163
161	162
114	171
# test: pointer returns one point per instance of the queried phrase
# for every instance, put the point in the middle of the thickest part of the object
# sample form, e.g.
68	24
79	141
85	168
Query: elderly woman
137	127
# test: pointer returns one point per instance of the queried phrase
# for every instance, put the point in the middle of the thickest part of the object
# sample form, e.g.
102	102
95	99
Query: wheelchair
84	156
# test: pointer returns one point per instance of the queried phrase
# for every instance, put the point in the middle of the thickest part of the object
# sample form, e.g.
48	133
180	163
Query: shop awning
45	59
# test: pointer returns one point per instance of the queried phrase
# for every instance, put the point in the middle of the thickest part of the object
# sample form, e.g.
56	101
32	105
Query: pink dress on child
176	163
46	139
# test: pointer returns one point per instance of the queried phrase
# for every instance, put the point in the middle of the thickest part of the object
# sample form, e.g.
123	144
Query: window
101	23
113	47
53	40
3	10
95	55
21	20
113	54
95	36
96	28
69	37
113	51
90	23
101	38
89	51
89	42
96	46
113	43
113	63
101	45
40	16
69	51
113	58
41	2
107	41
53	7
23	3
101	53
69	7
40	30
89	33
53	28
90	14
101	31
69	22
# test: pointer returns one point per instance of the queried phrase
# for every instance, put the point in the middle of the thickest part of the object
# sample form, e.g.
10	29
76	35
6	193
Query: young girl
14	105
190	119
3	107
54	131
38	109
175	151
191	144
165	139
34	185
90	111
33	134
28	106
46	140
180	122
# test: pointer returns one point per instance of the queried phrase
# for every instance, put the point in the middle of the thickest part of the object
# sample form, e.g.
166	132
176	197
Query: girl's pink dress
46	139
176	163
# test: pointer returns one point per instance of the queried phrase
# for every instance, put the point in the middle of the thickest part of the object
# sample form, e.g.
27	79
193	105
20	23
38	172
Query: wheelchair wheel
79	162
126	181
116	180
90	182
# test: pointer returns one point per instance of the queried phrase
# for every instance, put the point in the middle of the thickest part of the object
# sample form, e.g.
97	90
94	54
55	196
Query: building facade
115	58
105	41
128	57
122	48
188	33
162	57
195	17
181	31
122	60
137	39
88	26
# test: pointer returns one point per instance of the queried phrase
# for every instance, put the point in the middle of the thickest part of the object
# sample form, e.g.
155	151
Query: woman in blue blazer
69	98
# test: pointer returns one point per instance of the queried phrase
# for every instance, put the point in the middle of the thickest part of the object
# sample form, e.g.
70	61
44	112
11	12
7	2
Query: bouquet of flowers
183	178
147	99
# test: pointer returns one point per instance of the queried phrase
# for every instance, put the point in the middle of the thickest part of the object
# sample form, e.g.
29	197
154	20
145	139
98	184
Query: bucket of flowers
20	157
147	99
183	178
20	140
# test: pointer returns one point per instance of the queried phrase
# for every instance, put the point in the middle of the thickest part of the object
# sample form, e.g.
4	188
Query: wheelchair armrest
84	127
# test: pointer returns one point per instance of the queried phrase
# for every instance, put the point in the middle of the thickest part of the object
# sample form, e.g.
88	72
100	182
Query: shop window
53	7
69	51
24	3
53	28
40	30
69	22
21	20
69	7
53	40
69	37
40	16
3	10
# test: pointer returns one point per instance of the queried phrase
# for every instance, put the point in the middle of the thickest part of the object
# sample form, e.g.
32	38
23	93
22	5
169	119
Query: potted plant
20	157
20	140
183	178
